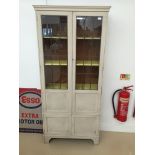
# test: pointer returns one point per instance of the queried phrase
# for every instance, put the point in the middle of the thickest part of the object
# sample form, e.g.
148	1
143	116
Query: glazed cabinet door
55	45
88	50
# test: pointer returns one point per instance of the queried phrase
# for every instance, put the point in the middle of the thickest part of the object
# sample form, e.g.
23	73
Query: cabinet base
48	139
96	140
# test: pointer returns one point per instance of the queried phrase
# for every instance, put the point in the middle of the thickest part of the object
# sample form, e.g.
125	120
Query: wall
119	55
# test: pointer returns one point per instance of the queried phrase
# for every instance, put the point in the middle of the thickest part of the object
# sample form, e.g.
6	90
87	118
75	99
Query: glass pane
88	40
89	26
54	33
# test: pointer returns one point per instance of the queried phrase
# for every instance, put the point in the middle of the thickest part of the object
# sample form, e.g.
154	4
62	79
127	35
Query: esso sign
26	99
30	100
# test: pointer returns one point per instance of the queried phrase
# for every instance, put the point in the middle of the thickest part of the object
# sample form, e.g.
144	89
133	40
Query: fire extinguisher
123	102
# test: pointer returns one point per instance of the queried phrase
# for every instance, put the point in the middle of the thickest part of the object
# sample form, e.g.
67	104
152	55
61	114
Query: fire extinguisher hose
113	97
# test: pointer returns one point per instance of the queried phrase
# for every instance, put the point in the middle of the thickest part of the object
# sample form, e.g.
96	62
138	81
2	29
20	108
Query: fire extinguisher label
124	99
123	110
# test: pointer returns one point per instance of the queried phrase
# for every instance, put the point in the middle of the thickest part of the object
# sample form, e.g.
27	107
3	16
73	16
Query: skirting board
118	127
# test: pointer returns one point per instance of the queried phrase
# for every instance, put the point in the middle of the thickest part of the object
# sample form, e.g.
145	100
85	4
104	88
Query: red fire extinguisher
123	102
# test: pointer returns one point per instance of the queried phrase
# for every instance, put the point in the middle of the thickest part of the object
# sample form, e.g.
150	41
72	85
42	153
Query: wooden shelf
56	86
56	37
55	62
79	86
86	86
78	73
89	38
87	63
78	63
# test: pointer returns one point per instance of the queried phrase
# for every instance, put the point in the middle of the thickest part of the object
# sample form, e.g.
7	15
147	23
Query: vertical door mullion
70	52
74	50
102	50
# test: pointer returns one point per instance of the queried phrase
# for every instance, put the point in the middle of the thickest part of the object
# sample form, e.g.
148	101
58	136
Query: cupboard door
58	102
86	103
56	50
87	45
85	125
54	32
59	125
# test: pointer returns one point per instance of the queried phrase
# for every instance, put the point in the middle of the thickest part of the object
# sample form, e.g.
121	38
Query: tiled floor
111	143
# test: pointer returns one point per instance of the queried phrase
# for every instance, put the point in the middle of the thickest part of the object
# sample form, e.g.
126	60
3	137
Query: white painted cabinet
71	42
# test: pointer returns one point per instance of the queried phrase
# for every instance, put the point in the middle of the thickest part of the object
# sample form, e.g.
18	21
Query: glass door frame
69	45
102	47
